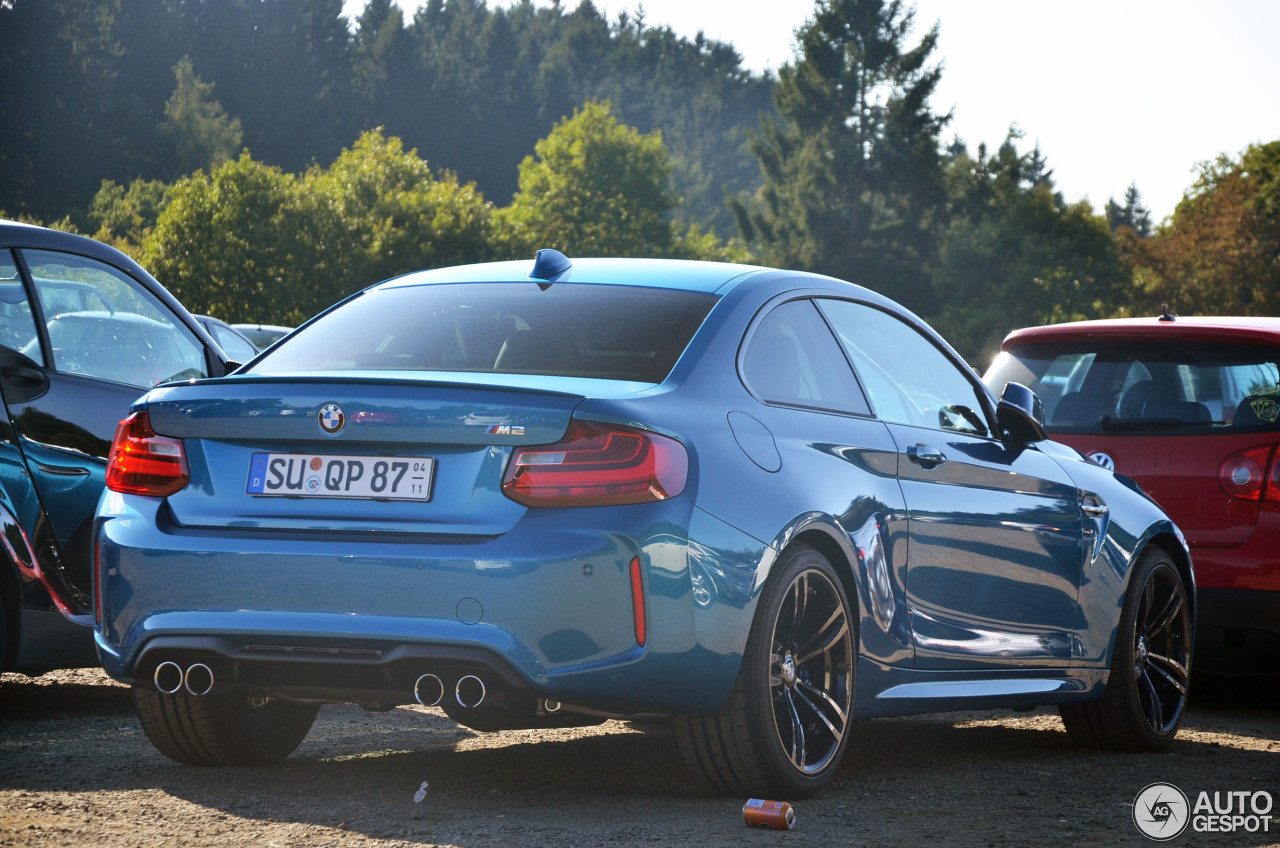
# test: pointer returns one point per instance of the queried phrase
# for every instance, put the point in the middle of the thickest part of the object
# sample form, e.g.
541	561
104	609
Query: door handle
925	455
1096	510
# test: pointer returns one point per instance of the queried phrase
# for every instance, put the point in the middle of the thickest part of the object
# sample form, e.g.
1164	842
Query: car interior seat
1078	409
1133	403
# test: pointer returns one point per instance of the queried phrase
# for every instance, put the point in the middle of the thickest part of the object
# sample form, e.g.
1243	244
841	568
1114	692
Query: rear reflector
1251	474
598	465
144	463
637	601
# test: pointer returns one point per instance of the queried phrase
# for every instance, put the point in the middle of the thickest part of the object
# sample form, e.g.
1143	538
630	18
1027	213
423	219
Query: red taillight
144	463
598	465
1251	474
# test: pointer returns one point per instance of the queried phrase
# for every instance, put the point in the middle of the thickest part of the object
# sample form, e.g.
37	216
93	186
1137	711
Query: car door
996	551
81	341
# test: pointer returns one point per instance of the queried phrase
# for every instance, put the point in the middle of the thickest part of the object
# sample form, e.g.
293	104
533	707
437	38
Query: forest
264	158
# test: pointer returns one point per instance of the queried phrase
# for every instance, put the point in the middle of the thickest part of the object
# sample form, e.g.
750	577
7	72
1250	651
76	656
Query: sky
1114	92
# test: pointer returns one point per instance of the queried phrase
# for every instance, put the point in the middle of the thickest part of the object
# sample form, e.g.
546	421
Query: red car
1190	409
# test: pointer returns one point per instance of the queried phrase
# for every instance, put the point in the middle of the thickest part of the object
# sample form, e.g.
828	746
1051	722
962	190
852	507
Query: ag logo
1103	459
1161	812
331	418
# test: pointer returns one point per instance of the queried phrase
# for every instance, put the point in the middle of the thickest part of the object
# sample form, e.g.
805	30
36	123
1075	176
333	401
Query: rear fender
860	546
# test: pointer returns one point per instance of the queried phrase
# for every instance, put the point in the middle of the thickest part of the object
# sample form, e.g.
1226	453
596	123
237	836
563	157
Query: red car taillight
1252	474
144	463
597	465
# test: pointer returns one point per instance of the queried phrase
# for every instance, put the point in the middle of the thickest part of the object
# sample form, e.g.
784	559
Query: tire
222	730
785	726
1146	692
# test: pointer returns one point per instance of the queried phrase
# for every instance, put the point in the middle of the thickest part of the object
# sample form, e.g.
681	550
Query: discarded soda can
775	815
421	793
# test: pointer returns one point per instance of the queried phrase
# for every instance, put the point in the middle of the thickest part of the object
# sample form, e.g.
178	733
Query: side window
235	346
909	380
103	323
792	359
17	324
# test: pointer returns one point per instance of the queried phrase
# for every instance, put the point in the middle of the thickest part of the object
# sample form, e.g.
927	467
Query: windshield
1146	386
598	331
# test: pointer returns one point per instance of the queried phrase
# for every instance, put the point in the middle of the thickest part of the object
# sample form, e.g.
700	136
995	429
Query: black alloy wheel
1150	678
786	724
810	671
1162	649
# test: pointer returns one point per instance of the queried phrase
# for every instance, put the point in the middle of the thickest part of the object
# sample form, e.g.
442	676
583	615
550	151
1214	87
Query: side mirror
1020	414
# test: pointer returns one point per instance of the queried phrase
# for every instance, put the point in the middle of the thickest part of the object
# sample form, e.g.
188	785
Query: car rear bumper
545	610
1254	565
1238	631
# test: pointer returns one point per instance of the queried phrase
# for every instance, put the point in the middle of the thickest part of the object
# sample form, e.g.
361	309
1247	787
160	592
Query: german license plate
295	475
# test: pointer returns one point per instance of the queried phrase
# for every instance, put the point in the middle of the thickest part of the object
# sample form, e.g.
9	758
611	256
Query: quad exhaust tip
170	678
469	692
428	690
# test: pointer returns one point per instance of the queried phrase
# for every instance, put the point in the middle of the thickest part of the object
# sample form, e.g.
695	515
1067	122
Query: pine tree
203	134
1132	214
853	164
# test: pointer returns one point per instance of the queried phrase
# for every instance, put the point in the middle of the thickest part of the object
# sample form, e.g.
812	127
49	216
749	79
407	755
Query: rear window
1147	387
575	330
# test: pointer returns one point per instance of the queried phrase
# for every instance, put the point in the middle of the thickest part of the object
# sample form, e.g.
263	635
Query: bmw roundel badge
331	418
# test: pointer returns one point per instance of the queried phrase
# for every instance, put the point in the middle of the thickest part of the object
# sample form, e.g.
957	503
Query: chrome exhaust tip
551	707
428	690
168	677
470	691
198	680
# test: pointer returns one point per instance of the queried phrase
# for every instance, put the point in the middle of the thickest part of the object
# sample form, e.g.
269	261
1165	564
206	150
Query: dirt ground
76	769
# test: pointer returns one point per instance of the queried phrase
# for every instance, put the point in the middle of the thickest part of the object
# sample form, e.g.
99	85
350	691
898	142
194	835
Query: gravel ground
76	769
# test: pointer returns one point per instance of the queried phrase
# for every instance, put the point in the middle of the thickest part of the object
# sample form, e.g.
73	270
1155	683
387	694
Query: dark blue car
83	332
762	502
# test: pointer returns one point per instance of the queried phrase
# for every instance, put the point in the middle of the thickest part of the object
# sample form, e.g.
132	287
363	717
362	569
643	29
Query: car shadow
359	772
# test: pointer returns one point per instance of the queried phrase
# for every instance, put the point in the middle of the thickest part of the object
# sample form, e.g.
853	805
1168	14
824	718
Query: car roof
707	277
1264	330
20	234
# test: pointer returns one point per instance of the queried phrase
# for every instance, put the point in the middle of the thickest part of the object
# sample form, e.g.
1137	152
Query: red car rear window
1143	386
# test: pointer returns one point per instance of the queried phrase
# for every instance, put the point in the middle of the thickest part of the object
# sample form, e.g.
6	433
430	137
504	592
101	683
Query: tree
385	213
64	125
249	242
233	243
1014	254
1219	254
598	187
1132	214
471	84
123	218
852	168
380	60
203	134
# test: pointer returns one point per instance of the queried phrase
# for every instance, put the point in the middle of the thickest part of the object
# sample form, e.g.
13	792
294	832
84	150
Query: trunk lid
454	437
1181	474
